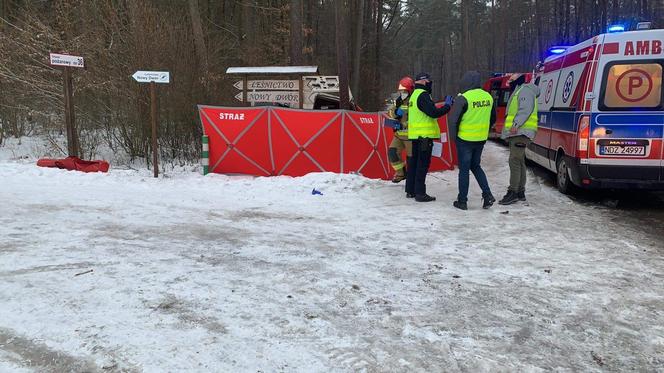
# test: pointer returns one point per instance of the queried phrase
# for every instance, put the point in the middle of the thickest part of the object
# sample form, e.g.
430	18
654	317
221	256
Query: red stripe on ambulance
611	48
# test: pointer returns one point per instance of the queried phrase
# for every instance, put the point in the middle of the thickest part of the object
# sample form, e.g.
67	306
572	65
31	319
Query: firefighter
472	115
399	111
520	129
422	130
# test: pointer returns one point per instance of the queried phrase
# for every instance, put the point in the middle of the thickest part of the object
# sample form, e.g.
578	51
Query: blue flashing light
616	28
558	49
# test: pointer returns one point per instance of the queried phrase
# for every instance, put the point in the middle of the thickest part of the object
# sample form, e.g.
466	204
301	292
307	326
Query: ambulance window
632	86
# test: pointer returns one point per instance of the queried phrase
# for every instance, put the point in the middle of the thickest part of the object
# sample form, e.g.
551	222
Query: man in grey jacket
520	129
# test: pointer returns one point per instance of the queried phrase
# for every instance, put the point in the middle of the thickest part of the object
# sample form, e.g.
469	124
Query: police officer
472	116
520	129
399	111
422	130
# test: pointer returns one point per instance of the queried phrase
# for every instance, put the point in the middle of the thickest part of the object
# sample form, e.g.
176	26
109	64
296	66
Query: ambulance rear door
627	123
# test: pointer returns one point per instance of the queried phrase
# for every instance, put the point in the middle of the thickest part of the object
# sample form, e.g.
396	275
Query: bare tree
357	52
296	32
199	38
342	53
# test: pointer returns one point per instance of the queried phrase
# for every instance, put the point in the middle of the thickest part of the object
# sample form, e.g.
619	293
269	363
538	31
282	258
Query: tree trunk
296	32
199	39
467	60
357	53
658	14
376	64
342	53
4	13
538	21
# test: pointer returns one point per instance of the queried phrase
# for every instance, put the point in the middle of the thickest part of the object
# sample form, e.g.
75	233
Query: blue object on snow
314	192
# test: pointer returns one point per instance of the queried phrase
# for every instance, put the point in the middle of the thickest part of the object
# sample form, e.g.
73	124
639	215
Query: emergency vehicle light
557	49
643	25
616	28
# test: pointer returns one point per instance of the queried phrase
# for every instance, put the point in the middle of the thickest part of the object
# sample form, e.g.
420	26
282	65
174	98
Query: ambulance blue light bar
616	28
558	49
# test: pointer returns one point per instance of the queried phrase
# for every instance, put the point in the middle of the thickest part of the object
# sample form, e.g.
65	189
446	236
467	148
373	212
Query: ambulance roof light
558	49
616	28
643	25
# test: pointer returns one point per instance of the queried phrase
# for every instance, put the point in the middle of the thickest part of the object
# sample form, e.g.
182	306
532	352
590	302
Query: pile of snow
124	272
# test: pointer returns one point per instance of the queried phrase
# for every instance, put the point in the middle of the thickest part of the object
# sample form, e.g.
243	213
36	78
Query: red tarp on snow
75	164
268	141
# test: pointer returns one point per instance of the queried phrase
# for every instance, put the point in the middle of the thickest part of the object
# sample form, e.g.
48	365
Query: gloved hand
399	113
449	100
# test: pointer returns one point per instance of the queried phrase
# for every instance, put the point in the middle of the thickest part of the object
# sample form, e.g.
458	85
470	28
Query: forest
370	44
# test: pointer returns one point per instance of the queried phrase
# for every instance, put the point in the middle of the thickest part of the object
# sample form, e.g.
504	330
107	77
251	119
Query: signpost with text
286	92
67	62
153	77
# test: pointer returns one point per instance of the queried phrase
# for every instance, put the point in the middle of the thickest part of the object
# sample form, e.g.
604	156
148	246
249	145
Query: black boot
522	195
461	205
425	198
509	198
488	201
410	195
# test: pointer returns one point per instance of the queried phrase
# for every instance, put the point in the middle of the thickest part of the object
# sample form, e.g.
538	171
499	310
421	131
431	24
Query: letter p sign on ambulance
634	85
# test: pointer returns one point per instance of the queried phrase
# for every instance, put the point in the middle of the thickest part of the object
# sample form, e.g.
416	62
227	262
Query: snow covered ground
239	274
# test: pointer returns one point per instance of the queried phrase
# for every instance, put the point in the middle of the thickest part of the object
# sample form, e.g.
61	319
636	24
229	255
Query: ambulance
601	111
498	86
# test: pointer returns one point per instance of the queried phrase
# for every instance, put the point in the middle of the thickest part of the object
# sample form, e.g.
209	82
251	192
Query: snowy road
222	274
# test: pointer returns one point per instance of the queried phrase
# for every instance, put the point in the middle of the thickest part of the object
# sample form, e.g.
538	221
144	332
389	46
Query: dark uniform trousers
419	162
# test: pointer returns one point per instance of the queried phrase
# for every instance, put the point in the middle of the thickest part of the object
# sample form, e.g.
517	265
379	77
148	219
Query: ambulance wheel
565	185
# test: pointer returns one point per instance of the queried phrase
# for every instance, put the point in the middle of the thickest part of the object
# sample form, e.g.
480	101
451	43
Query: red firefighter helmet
407	83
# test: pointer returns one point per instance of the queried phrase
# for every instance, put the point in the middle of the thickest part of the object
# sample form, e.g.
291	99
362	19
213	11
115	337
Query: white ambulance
601	111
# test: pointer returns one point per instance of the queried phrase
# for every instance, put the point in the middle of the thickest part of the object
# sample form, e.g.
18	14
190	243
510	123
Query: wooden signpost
292	98
153	77
67	62
288	91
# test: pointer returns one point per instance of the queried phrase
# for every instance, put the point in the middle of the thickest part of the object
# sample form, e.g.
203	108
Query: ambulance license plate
636	148
622	150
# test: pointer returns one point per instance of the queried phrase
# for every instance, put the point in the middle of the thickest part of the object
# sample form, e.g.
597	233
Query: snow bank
233	273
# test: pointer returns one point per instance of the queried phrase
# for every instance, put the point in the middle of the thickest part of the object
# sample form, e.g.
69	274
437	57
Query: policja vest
476	120
420	124
531	122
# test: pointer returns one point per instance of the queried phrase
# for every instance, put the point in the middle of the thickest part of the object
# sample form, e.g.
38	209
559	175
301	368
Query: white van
601	112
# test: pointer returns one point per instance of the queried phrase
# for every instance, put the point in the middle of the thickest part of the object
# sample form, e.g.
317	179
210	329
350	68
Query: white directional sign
268	84
66	60
152	76
283	97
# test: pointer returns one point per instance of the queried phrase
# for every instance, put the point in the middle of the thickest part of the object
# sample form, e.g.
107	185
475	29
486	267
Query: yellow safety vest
476	120
531	123
420	124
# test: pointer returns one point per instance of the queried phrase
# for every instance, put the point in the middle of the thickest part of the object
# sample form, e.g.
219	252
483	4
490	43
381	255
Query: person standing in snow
520	129
471	117
399	111
422	130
